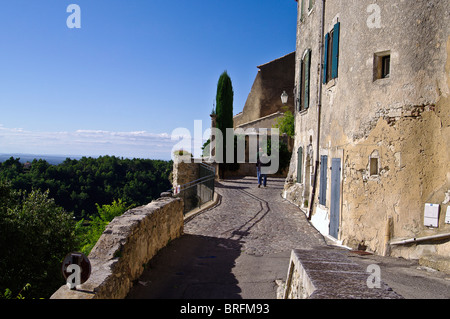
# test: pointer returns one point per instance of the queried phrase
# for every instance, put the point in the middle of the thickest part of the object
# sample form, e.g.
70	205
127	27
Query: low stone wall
125	247
326	273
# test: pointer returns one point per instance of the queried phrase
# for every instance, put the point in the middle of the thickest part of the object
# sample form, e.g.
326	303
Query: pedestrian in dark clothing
261	177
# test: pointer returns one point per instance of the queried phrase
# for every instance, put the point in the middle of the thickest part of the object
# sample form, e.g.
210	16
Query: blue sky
135	70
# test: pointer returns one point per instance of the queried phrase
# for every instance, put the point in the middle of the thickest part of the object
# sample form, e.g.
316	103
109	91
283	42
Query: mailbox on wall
431	215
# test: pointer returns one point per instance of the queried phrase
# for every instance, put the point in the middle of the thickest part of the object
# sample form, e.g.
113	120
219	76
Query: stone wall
265	96
326	273
128	243
400	122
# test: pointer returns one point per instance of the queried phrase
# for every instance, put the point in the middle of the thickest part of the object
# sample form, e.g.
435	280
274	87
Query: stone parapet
327	273
128	243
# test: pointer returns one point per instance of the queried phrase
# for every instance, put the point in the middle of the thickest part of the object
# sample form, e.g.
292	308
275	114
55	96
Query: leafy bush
35	236
286	123
90	233
9	295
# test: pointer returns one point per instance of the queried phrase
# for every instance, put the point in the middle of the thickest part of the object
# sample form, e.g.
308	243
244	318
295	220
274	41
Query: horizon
131	74
59	158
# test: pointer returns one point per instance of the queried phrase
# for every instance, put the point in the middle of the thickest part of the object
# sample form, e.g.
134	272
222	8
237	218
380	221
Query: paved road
237	249
241	247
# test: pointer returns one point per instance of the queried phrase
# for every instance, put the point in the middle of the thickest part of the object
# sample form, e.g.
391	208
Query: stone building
261	111
263	105
371	160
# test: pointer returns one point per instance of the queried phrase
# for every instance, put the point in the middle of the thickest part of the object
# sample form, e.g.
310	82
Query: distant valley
51	159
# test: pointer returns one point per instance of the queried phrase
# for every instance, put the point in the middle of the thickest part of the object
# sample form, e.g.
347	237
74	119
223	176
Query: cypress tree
224	109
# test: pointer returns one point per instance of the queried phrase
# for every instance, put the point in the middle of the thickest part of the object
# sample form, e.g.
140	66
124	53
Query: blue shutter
300	85
335	52
299	164
302	8
325	58
323	180
307	75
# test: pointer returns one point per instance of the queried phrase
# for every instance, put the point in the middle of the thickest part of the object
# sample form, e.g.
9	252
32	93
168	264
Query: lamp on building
284	97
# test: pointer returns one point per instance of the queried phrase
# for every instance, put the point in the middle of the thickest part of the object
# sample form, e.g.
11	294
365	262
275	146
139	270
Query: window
374	163
302	7
385	66
331	54
381	65
373	166
304	81
323	180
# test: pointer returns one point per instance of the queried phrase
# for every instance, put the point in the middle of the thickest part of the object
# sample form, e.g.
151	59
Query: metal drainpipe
319	108
415	240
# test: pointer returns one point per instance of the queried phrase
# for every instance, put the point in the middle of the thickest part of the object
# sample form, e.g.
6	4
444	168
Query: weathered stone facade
125	247
387	133
263	105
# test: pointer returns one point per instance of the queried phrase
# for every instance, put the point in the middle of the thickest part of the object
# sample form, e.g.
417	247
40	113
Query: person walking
261	177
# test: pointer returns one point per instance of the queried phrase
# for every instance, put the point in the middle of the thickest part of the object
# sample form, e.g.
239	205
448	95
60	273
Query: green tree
286	123
35	236
224	111
89	235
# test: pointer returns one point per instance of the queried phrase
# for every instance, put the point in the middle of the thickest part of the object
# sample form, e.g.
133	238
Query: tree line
78	185
48	211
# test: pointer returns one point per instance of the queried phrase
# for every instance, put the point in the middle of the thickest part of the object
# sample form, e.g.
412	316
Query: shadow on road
191	267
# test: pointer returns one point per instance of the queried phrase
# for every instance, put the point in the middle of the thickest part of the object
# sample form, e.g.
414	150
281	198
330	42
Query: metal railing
197	192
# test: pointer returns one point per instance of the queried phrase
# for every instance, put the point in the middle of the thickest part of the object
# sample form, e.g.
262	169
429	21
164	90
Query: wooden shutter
307	76
325	58
300	86
323	180
302	8
299	164
335	52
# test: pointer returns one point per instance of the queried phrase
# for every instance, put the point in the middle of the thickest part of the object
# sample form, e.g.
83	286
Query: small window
381	65
385	66
374	163
373	166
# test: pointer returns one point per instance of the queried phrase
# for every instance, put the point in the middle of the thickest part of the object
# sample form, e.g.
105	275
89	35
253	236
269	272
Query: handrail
198	180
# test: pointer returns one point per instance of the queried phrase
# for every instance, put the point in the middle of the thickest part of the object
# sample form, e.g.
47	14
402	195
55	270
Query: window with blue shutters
331	54
304	82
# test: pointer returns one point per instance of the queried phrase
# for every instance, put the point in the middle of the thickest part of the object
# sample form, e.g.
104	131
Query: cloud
87	142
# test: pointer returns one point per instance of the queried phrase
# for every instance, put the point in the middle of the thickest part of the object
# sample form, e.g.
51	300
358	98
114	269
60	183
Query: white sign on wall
431	215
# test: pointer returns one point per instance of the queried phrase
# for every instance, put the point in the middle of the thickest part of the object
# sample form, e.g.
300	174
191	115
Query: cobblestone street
237	249
258	218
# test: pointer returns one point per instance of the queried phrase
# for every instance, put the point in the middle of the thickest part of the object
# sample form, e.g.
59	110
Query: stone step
437	262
